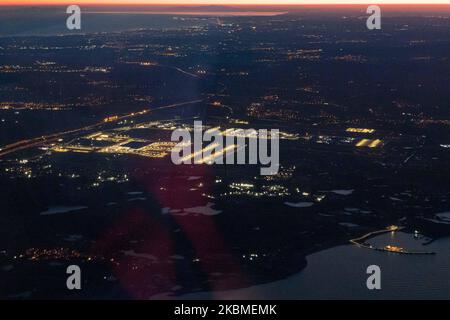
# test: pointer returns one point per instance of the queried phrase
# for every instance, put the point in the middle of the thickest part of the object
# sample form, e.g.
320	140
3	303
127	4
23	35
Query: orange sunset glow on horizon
220	2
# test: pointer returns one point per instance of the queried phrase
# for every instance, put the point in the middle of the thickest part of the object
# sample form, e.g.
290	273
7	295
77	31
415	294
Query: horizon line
212	3
402	4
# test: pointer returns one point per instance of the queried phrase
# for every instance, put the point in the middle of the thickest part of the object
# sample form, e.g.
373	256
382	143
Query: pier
360	242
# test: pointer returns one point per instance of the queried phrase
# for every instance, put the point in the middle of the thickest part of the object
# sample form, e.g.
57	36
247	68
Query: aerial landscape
87	176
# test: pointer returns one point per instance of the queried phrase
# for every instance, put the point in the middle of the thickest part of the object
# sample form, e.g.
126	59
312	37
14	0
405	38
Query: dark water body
340	273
